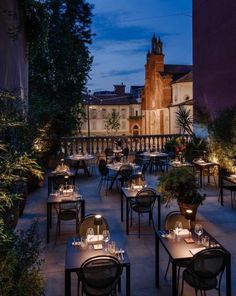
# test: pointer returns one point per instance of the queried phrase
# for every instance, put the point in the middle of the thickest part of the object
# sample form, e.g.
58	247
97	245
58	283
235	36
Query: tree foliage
222	135
112	123
59	67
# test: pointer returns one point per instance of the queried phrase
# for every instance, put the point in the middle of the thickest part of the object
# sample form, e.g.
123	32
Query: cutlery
118	255
121	253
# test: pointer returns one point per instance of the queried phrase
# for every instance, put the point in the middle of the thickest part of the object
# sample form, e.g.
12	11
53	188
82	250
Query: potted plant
180	184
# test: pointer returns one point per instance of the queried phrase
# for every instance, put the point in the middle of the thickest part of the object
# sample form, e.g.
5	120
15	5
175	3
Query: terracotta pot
184	206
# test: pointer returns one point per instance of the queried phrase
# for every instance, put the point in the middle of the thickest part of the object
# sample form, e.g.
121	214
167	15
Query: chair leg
131	217
182	287
167	268
138	225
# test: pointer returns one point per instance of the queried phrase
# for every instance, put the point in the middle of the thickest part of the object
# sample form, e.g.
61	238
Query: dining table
115	167
202	165
180	164
81	162
179	250
156	157
76	256
224	184
131	193
56	198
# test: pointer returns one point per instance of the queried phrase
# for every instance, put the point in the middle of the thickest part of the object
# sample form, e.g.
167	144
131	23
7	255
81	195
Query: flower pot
184	206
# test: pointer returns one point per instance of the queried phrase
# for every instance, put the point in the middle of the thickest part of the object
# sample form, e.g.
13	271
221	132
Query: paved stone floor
219	221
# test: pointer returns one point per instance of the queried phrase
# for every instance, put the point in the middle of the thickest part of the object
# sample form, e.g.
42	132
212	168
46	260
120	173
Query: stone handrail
98	144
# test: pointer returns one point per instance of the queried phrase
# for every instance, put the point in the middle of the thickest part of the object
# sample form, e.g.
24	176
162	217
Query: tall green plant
222	134
59	68
20	263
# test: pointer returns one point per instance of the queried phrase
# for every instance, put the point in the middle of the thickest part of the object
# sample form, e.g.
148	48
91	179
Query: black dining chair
106	176
169	224
54	182
109	155
143	203
125	154
88	222
66	212
205	271
125	173
100	275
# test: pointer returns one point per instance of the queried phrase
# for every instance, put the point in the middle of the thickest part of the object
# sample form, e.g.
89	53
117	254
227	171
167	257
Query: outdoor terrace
218	220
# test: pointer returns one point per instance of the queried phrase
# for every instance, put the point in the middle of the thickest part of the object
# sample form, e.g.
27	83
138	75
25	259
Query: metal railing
98	144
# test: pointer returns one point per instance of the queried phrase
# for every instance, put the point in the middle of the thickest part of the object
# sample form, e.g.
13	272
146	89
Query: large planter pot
184	206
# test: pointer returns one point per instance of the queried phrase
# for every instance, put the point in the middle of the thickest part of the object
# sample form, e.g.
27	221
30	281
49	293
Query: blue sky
124	29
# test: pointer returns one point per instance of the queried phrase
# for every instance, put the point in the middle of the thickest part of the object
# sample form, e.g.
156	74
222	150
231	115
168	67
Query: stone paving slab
219	221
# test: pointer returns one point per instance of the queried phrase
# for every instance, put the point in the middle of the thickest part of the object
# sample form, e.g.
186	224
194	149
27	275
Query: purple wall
214	55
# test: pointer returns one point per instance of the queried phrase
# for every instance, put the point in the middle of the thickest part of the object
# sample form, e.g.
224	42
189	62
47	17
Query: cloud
123	36
121	72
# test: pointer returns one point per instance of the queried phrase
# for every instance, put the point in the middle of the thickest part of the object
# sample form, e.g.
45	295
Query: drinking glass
90	234
178	227
199	231
106	237
83	242
112	247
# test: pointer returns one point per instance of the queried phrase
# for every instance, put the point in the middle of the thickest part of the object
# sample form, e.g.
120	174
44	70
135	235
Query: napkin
182	232
137	187
94	238
196	250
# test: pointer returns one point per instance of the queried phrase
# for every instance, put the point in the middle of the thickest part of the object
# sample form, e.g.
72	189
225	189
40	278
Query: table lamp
66	178
188	215
97	222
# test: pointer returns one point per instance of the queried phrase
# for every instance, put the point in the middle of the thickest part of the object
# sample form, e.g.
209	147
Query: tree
59	67
112	122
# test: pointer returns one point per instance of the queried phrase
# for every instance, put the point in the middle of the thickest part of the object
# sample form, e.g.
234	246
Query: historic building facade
149	109
126	105
161	82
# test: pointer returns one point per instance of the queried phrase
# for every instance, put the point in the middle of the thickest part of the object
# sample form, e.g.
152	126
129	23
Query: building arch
135	129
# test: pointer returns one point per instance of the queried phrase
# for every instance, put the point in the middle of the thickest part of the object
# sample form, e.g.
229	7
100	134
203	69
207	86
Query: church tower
156	89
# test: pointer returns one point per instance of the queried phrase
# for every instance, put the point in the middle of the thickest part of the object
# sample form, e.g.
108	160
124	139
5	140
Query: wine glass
106	237
90	234
178	227
199	231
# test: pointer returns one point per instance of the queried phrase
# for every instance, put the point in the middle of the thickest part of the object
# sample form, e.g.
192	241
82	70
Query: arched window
135	130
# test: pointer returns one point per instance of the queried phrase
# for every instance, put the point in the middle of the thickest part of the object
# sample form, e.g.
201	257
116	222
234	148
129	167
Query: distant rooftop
177	71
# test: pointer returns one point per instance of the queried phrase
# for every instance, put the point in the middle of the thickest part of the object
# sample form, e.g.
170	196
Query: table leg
67	283
113	181
127	216
174	280
200	177
121	206
221	195
157	254
159	212
228	276
86	171
128	292
82	213
50	216
49	211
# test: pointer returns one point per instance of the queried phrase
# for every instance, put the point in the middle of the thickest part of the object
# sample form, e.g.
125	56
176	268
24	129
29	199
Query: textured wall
13	58
214	54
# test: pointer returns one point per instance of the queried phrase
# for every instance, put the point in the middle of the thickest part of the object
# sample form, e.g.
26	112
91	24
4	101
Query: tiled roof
186	78
176	71
124	100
